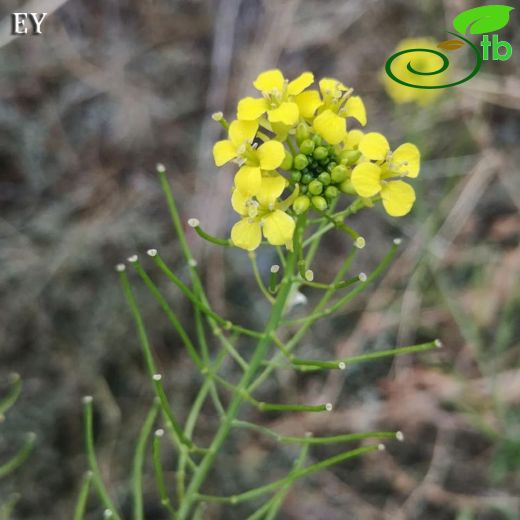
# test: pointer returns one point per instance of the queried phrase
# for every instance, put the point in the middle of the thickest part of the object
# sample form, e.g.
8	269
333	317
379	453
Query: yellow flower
352	139
421	61
283	100
263	215
369	178
267	156
337	104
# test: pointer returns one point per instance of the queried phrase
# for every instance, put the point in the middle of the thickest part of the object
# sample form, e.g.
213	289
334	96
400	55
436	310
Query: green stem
20	457
258	278
155	378
81	503
206	236
203	307
309	439
291	344
342	363
385	262
8	506
222	433
279	497
92	459
289	479
159	474
170	314
12	396
137	468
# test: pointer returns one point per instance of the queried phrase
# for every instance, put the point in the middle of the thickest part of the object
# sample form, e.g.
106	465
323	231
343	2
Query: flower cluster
296	152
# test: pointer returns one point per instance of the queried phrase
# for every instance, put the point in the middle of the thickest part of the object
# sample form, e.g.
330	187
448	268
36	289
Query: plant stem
222	433
20	457
91	454
289	479
159	474
137	470
81	503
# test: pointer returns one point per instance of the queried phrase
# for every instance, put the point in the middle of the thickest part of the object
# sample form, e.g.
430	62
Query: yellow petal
271	188
278	228
300	83
280	131
352	139
270	155
366	179
374	146
330	126
246	234
224	151
242	131
250	109
287	113
398	198
406	160
331	87
248	180
269	80
239	202
308	102
354	107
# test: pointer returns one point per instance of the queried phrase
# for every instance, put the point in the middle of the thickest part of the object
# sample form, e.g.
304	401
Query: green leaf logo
481	20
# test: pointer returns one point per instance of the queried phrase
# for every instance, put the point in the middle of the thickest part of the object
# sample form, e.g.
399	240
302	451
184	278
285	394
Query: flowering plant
302	171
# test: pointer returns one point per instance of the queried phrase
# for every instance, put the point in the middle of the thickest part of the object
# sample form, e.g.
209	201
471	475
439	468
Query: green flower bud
296	176
302	132
320	153
339	173
300	161
319	203
317	139
350	156
303	189
306	178
346	187
324	178
287	162
331	192
307	146
331	165
315	187
301	204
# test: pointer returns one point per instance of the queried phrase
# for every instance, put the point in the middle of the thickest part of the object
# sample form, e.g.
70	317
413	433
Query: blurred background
110	89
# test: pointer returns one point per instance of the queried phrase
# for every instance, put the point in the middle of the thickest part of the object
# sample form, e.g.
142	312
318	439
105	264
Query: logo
21	21
477	21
